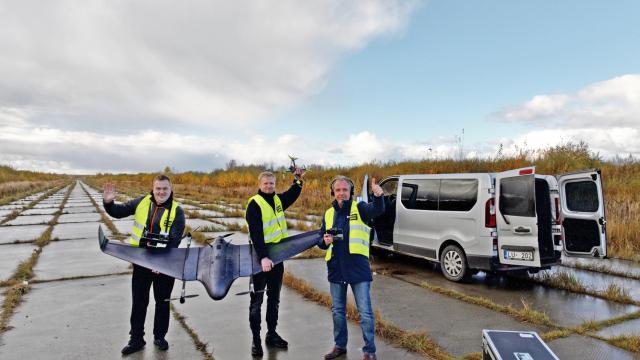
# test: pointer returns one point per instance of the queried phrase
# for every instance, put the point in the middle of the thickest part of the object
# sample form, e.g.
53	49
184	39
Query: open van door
364	195
582	214
517	223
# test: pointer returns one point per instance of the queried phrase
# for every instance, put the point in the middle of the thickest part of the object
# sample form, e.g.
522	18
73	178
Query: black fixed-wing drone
215	265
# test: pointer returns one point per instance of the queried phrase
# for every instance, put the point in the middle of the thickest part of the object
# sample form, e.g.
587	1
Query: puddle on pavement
564	307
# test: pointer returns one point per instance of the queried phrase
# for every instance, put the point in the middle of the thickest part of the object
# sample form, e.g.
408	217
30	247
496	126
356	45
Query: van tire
453	264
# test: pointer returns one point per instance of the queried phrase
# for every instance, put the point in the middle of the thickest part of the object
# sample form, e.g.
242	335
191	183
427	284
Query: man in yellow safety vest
159	214
346	239
267	225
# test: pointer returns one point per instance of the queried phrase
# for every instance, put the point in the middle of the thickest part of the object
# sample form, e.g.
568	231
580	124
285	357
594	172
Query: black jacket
343	266
253	216
119	211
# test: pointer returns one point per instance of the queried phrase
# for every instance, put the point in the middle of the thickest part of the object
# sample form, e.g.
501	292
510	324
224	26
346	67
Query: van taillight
557	211
490	214
526	171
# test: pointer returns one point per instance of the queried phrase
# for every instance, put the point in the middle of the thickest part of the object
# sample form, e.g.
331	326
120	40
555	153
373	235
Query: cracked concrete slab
631	327
49	211
79	210
47	206
414	308
600	281
564	307
582	347
71	258
78	230
307	326
11	256
10	207
194	223
29	220
78	204
123	226
86	319
80	217
10	234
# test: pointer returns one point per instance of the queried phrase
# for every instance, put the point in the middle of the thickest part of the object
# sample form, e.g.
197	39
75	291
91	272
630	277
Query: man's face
268	184
341	191
161	191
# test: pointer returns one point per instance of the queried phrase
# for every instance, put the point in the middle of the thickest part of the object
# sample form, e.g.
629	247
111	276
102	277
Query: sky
134	86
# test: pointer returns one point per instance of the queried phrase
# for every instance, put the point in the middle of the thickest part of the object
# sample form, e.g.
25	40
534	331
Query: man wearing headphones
346	238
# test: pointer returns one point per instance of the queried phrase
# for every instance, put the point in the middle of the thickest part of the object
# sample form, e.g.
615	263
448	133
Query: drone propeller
252	290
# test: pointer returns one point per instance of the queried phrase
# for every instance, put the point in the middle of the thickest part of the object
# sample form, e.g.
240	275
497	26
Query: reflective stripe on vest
142	215
274	225
358	232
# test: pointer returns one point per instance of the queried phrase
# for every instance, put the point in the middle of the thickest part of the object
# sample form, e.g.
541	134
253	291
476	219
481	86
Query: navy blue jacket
343	266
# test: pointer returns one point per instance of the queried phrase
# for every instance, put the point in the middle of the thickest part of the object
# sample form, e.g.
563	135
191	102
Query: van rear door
516	218
582	214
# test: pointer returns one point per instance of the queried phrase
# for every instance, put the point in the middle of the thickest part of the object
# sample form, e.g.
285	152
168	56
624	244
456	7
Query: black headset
340	178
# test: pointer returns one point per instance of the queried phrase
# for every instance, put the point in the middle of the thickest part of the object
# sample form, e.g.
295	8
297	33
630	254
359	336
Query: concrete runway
80	308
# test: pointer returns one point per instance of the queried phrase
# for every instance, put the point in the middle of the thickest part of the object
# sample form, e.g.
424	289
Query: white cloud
122	65
613	103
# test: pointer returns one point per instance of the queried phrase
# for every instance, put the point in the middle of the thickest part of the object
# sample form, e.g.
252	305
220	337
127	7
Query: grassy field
16	184
621	183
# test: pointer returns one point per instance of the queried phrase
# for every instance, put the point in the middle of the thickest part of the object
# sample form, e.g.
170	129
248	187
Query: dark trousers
272	280
140	284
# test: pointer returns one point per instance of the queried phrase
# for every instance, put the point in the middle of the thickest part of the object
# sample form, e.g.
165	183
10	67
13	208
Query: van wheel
453	264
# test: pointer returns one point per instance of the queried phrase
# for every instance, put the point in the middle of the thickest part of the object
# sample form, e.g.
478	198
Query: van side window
420	194
582	196
517	196
458	194
390	187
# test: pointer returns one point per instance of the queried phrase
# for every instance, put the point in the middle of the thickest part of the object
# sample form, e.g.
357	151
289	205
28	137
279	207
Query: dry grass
311	253
14	214
621	184
628	342
418	342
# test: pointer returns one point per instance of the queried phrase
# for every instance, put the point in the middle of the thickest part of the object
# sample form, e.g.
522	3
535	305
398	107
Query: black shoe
274	340
133	346
161	343
335	353
256	347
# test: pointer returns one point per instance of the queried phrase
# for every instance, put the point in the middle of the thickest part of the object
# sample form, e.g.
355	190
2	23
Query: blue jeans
363	303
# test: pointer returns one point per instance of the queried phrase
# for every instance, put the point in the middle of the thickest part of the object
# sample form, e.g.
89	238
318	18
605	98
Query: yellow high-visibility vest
141	217
358	232
274	225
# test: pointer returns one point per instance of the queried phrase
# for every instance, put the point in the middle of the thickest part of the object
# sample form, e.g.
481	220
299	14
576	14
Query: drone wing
179	263
285	249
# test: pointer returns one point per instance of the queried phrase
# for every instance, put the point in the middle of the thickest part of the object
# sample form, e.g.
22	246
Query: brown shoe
335	353
369	356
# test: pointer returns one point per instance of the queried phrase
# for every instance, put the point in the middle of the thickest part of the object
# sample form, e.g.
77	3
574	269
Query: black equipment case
514	345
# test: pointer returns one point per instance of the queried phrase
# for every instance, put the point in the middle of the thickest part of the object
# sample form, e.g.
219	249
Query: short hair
162	177
342	178
266	174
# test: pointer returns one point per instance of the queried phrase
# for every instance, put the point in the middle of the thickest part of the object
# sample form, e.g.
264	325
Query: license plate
518	255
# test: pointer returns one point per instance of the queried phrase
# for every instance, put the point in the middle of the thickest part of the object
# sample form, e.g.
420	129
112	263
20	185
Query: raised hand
377	190
298	172
109	192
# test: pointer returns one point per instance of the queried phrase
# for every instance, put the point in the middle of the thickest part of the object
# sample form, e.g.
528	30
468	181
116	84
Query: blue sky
458	62
124	86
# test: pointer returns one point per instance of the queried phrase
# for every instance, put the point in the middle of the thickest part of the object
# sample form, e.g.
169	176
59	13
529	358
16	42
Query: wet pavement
600	281
414	308
308	327
29	220
563	307
22	233
72	258
618	265
88	318
11	256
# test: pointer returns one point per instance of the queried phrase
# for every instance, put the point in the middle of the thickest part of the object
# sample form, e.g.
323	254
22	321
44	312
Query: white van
513	220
